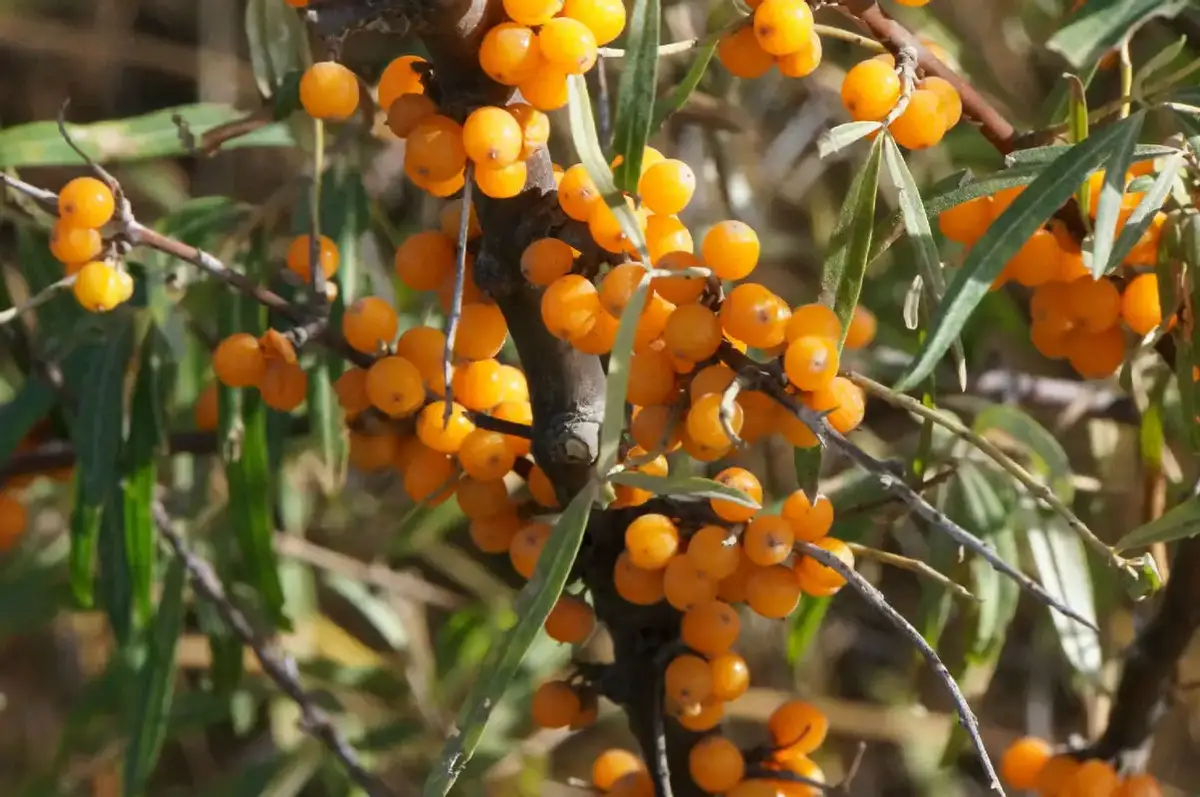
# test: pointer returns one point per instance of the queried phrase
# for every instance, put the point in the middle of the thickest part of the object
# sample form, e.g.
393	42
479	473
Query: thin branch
492	424
39	298
316	269
841	34
870	506
454	314
660	764
873	596
278	665
1037	488
913	566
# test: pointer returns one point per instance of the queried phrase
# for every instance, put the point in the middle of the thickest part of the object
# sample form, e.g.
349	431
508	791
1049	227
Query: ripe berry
1094	304
329	91
284	385
532	12
665	235
485	455
922	124
400	77
782	26
688	680
435	150
541	488
394	386
1094	777
811	363
754	315
74	246
1141	785
730	249
351	390
547	259
773	592
842	403
768	540
425	260
739	479
483	500
667	186
428	477
1022	761
811	572
704	422
635	585
527	547
685	584
492	137
715	550
299	257
98	287
692	333
741	54
482	331
711	379
570	306
517	412
577	194
731	676
1141	307
238	361
716	764
618	287
870	90
605	228
651	379
407	111
679	290
703	717
949	101
535	127
1095	355
795	431
440	434
651	541
205	413
570	621
546	89
86	202
968	221
509	53
372	452
862	329
601	338
495	534
605	18
613	765
1037	261
568	45
504	182
710	628
554	705
798	727
802	62
369	324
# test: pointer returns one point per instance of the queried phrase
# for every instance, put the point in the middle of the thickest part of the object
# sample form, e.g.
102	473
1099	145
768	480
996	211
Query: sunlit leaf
695	486
1044	451
850	246
1063	571
635	94
278	43
1098	26
1112	192
1179	523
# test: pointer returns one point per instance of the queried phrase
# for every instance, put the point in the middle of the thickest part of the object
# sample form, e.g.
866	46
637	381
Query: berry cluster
781	33
268	363
1074	317
1031	764
872	89
84	206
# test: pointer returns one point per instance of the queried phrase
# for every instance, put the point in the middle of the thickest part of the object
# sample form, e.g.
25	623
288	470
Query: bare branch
454	314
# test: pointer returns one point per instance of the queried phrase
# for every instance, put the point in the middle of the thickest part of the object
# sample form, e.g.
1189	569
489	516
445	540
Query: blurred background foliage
392	609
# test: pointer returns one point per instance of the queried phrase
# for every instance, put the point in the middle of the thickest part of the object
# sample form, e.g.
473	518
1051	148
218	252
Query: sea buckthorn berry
492	137
277	346
667	186
541	488
535	127
949	101
679	290
98	287
861	331
713	378
605	228
1054	778
394	386
1141	307
635	585
650	326
922	124
482	331
400	77
509	53
284	385
428	479
802	62
665	235
741	54
813	319
443	189
532	12
688	680
870	90
86	202
299	257
371	452
731	676
798	727
479	385
1037	261
734	587
730	249
704	717
754	315
513	383
605	18
811	572
618	286
577	194
795	431
425	260
570	306
768	540
554	705
204	414
704	422
407	111
716	764
773	592
568	44
811	363
1094	304
495	534
842	403
503	182
527	547
715	550
966	223
803	766
650	156
693	333
782	26
1145	251
450	218
370	323
1022	760
435	150
485	455
423	347
701	452
685	584
651	378
761	413
651	541
653	428
516	412
329	91
545	89
547	259
745	481
710	628
13	520
73	245
1049	339
1095	355
1141	785
481	500
238	361
570	621
601	338
1094	778
440	434
612	765
351	390
1002	199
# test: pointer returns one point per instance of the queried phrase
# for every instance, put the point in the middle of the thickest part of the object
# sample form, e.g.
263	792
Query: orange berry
739	479
1095	355
424	348
299	257
773	592
370	323
545	89
922	124
653	428
704	422
811	520
1053	779
605	228
861	330
577	194
1037	261
1141	785
713	378
504	182
870	90
509	53
678	290
527	547
600	338
692	333
394	386
205	413
238	361
667	186
651	379
435	151
1049	339
98	287
351	390
570	306
635	585
1141	307
532	12
479	385
651	540
1022	761
665	235
407	111
782	26
554	705
1002	199
710	628
86	202
768	540
716	764
802	765
731	676
75	246
703	717
276	346
613	765
605	18
1094	304
715	550
517	412
495	534
284	385
371	452
734	587
802	62
482	331
812	573
685	584
541	488
730	249
811	363
688	680
949	101
400	77
483	500
571	621
329	91
14	518
761	415
492	137
842	403
741	54
798	727
440	434
795	431
968	221
1145	251
754	315
813	319
567	44
486	455
618	286
1094	778
547	259
535	127
428	479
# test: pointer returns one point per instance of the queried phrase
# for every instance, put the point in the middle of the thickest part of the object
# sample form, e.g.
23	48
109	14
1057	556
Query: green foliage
635	97
1101	25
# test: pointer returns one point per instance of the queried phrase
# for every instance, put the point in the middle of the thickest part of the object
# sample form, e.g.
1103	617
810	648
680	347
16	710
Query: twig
661	763
39	298
1038	489
873	596
316	269
671	48
841	34
460	277
869	506
913	566
278	665
906	68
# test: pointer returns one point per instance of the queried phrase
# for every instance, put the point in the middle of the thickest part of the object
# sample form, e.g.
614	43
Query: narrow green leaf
1112	191
1052	152
1099	26
1157	63
157	684
1062	568
225	647
808	469
533	606
849	247
680	94
836	139
1143	215
1181	522
115	580
85	534
635	95
1043	450
101	414
1189	124
1002	240
696	486
990	515
803	625
278	43
32	402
